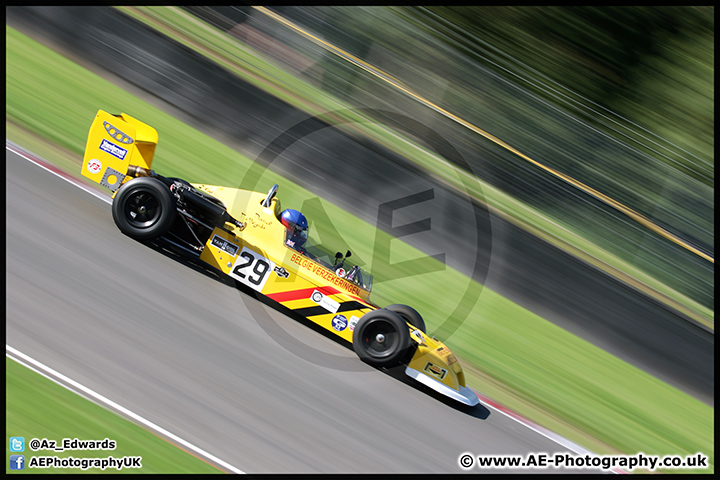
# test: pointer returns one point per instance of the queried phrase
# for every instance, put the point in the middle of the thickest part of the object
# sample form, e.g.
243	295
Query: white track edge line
115	406
22	153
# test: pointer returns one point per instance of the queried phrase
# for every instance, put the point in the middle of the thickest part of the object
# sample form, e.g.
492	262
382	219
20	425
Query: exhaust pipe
135	171
216	212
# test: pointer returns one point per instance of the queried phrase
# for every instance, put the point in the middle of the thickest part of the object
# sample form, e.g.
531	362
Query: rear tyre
381	338
144	208
408	314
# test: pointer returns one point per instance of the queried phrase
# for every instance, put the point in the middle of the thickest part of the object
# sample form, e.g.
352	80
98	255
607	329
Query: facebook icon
17	462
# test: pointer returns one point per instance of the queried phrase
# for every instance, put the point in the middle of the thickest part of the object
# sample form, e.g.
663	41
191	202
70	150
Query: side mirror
271	194
347	254
338	255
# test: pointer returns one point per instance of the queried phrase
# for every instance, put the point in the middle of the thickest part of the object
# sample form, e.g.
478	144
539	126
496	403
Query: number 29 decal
252	269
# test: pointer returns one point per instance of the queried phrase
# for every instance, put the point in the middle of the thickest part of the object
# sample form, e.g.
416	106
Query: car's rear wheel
381	338
144	208
408	314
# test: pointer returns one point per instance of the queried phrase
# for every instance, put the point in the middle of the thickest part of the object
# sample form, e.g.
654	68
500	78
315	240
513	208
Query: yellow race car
247	236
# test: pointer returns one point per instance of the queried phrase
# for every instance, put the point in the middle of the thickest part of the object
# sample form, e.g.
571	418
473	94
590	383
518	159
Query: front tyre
408	314
381	338
144	208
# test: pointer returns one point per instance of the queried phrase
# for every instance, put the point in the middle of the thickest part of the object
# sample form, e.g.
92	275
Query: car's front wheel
144	208
381	338
408	314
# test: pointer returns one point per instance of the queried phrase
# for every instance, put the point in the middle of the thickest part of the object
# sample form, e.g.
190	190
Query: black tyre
144	208
408	314
381	338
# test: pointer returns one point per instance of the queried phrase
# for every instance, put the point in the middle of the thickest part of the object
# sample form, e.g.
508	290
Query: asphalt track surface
181	347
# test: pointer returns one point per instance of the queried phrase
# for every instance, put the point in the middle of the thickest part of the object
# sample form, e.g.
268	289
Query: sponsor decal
281	272
449	357
339	323
326	302
257	221
340	272
418	336
352	323
211	190
117	134
113	149
224	245
94	166
435	370
324	273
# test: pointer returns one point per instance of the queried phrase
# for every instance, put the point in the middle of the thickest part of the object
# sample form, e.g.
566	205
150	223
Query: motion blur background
619	99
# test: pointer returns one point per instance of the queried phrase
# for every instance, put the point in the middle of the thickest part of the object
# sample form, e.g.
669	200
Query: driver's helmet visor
301	233
297	236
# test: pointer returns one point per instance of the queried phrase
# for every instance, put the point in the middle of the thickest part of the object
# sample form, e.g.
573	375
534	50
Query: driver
297	229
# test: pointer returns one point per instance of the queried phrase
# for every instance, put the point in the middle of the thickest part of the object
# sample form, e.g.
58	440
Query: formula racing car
247	236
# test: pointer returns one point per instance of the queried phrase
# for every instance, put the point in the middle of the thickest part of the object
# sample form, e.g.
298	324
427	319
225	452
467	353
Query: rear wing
115	143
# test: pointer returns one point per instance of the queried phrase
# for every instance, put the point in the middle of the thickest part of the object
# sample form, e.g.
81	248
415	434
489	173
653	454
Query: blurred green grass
39	408
510	354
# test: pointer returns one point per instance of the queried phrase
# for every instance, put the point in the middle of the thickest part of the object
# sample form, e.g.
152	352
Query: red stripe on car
302	293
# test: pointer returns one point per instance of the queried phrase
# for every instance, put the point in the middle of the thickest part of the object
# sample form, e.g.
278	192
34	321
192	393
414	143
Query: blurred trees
652	65
619	98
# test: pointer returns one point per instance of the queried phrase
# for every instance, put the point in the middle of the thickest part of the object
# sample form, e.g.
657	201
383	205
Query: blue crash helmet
297	227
